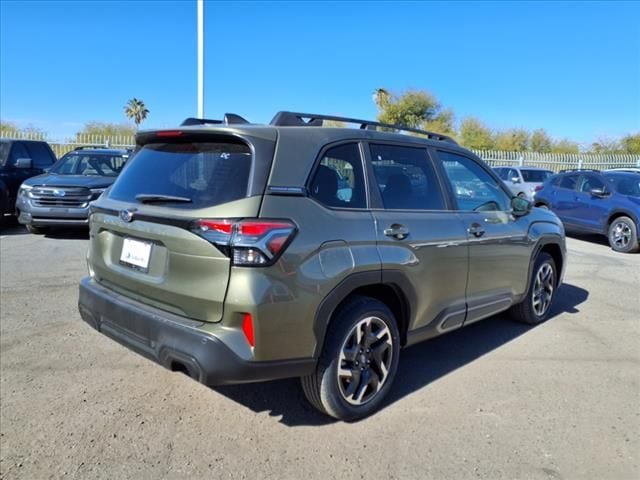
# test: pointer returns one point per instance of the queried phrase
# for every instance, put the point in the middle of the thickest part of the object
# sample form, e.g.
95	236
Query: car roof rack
295	119
229	119
90	147
565	170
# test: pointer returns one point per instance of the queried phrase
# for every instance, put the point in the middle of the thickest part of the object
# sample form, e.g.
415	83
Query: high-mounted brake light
169	133
248	242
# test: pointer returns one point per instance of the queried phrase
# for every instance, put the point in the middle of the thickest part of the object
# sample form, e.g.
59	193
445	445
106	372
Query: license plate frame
136	254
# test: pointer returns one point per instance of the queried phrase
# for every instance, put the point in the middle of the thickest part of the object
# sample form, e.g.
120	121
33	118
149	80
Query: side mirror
24	163
598	192
520	206
515	180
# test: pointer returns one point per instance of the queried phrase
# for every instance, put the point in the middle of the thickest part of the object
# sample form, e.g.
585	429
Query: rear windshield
535	176
206	174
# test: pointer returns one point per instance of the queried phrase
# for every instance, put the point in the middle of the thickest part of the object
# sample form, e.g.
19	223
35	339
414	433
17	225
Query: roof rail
229	119
579	170
294	119
89	147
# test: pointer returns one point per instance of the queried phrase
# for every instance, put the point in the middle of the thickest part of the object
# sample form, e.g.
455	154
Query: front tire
623	235
535	307
358	363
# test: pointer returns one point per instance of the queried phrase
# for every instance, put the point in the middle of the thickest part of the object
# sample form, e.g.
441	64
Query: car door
563	198
499	250
591	209
421	242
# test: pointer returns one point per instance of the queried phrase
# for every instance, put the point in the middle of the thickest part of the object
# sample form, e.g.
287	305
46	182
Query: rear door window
205	174
405	178
18	151
568	181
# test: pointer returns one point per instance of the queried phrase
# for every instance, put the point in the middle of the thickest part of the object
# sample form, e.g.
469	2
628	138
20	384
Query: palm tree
136	110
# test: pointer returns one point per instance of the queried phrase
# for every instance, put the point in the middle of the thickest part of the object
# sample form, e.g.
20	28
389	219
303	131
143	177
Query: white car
523	181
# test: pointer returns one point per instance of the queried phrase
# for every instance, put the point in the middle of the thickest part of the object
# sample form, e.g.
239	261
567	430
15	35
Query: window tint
589	182
472	185
41	155
503	173
535	176
625	184
4	152
568	181
18	151
338	181
405	178
207	173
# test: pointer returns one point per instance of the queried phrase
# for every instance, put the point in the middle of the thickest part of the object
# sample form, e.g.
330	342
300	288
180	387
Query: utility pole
200	4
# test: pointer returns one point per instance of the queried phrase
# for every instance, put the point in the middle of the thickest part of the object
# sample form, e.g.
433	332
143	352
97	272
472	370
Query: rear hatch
145	237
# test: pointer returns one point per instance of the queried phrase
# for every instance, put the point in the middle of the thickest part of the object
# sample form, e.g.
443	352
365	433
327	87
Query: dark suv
236	252
19	160
61	196
590	201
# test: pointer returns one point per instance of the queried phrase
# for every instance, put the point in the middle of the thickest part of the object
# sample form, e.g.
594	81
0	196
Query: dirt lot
495	400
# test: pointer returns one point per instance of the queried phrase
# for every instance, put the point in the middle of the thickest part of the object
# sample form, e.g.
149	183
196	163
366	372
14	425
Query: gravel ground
494	400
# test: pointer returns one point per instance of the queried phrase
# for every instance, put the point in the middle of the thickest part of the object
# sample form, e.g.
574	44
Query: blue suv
591	201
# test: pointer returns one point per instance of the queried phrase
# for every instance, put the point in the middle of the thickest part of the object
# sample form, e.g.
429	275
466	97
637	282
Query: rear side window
406	179
568	181
338	181
41	155
535	176
207	174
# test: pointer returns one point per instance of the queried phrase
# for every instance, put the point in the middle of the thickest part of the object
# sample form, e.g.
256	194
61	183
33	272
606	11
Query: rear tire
623	235
358	363
535	307
36	230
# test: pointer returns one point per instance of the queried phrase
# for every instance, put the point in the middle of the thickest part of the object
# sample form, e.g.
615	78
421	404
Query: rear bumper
175	342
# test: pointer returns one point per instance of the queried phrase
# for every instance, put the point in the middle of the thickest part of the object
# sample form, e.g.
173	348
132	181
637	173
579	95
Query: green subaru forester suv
236	252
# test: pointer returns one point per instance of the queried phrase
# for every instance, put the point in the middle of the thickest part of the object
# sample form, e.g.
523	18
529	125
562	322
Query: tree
565	146
8	128
411	109
136	109
540	141
474	134
107	129
334	124
513	140
443	123
606	145
631	143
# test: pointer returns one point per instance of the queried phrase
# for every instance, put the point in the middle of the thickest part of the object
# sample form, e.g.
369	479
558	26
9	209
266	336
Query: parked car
523	181
231	252
20	160
61	197
590	201
624	169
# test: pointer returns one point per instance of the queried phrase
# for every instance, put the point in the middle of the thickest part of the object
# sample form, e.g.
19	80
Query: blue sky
571	68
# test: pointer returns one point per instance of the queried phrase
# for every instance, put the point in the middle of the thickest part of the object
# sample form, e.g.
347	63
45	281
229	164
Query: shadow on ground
590	237
10	227
420	365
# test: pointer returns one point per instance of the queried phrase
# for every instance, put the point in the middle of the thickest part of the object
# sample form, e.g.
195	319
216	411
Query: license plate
136	253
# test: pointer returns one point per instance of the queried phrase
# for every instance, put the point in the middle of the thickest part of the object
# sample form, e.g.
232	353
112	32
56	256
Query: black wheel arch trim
394	279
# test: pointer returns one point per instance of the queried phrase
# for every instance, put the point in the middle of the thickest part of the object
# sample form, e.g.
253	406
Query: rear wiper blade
156	198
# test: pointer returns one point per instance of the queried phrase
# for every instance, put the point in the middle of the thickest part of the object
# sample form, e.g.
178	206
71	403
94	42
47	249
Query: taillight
538	188
248	242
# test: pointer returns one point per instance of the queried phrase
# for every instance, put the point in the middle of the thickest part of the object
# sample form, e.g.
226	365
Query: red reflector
256	229
538	188
169	133
275	245
247	328
222	226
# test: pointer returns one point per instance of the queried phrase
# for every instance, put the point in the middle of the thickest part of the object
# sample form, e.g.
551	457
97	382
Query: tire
535	307
36	230
623	235
336	394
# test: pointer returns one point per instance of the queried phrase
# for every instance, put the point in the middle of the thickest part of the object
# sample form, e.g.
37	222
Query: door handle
476	230
397	231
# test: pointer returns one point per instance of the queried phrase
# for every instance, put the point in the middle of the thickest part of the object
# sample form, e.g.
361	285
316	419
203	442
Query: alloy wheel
543	289
621	235
365	360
